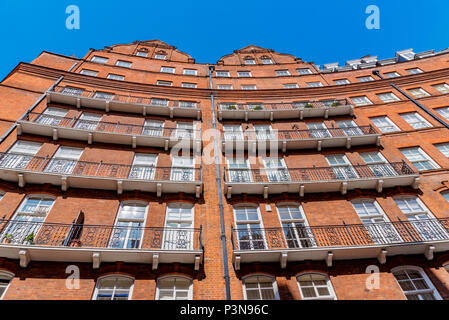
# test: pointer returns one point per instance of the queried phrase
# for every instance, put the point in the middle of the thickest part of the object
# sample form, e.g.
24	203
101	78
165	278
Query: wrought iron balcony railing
106	131
284	105
334	173
301	237
44	234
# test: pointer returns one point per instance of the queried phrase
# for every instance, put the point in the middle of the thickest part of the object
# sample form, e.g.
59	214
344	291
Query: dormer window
142	54
250	61
266	61
160	56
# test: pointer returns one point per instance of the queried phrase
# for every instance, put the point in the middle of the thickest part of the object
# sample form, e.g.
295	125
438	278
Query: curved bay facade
261	176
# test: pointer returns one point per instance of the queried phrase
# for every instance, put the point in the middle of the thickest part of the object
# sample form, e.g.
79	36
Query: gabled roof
253	48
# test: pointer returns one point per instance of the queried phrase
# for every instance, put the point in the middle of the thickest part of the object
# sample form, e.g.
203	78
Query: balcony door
421	219
153	128
232	132
276	170
264	132
297	234
178	232
128	228
144	166
184	130
88	121
64	160
183	169
52	116
239	170
349	128
249	232
378	165
318	130
376	222
20	155
28	219
341	167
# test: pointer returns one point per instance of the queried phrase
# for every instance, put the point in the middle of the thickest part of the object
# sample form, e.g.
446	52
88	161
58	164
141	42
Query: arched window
315	286
249	232
260	288
174	288
5	280
295	226
129	225
114	288
415	284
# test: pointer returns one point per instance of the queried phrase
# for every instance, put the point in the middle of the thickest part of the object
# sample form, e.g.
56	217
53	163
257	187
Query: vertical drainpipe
38	101
220	195
422	107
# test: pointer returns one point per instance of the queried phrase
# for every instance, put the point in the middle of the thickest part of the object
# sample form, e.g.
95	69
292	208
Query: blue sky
320	31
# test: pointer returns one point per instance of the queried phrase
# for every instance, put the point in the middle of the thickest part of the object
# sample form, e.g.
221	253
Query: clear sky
319	30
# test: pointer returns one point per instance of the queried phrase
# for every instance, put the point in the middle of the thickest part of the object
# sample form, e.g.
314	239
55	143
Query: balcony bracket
382	257
319	144
265	192
198	146
21	180
107	106
344	188
155	261
237	262
378	141
301	190
144	111
24	257
171	113
55	134
284	146
197	262
284	258
64	183
351	113
198	191
326	114
348	143
198	115
96	260
220	115
48	97
301	115
19	129
379	186
246	116
429	252
134	142
416	183
119	187
271	116
166	144
253	147
78	103
229	192
329	259
159	190
90	138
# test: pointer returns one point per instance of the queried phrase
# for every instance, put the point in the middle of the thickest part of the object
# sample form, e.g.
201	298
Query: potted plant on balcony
232	107
335	104
75	243
8	238
29	240
257	107
308	106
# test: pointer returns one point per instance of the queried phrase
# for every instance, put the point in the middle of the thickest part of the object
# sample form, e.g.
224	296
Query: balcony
109	132
301	139
99	175
341	242
40	241
123	103
290	110
325	179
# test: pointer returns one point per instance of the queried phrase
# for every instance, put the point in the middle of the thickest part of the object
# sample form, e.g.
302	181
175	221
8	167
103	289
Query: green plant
9	236
257	108
232	107
30	238
335	104
308	105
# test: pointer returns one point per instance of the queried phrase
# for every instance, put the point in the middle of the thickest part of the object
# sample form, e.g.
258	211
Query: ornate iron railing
109	96
223	106
99	236
112	127
345	235
98	169
334	173
286	135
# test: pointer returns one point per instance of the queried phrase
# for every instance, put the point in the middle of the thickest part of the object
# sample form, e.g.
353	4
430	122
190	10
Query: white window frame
392	74
164	83
115	76
283	73
290	85
365	79
266	61
388	97
183	168
160	57
249	87
250	61
6	275
314	84
97	285
444	87
244	74
346	170
143	54
365	101
424	276
415	120
101	60
190	290
418	92
89	72
274	283
189	85
341	82
390	124
329	286
443	148
444	112
249	173
225	86
170	235
143	172
295	223
170	70
279	173
222	74
414	71
190	72
424	155
248	223
123	64
304	71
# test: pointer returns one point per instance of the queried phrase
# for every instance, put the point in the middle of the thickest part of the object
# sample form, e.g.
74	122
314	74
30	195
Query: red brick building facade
150	176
